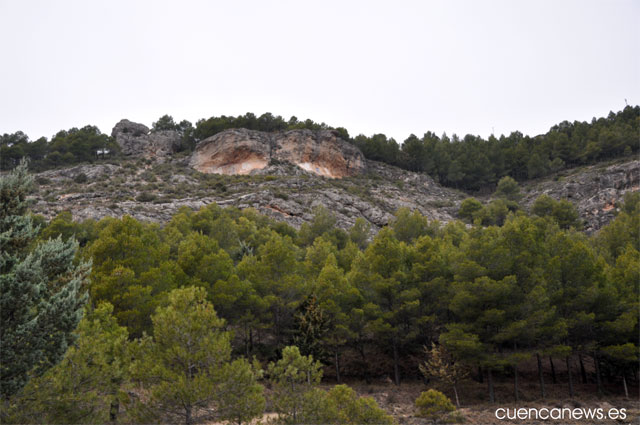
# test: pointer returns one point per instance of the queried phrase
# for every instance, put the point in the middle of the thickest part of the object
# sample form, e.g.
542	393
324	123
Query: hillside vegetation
487	299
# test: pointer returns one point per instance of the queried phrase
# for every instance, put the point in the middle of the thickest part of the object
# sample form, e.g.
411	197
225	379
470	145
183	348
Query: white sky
396	67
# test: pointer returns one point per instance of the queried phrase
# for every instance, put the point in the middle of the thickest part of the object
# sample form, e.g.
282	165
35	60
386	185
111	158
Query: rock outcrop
596	190
242	151
136	140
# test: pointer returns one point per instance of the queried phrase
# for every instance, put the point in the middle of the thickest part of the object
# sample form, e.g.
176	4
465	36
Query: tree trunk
396	369
114	408
583	372
596	362
515	382
570	377
480	375
455	391
246	341
492	397
624	384
540	376
553	371
187	415
338	367
365	365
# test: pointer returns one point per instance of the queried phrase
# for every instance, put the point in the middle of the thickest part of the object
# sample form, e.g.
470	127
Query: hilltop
285	175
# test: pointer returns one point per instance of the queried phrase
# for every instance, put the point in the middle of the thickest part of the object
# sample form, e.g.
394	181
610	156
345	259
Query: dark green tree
41	289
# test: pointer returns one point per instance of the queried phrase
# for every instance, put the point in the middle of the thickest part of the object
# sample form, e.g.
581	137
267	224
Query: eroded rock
136	140
241	151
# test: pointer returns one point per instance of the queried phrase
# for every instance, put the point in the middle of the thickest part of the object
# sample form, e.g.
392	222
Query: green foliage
186	367
164	123
410	225
323	222
312	325
508	189
66	148
489	296
80	178
469	208
433	405
241	397
341	405
265	122
41	290
359	233
145	197
563	211
63	225
85	387
293	376
443	367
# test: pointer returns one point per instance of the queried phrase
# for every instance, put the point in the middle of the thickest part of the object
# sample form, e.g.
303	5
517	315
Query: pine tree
186	368
292	377
85	386
41	289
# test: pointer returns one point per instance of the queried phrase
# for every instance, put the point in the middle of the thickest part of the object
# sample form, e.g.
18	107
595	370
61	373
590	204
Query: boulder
136	140
131	136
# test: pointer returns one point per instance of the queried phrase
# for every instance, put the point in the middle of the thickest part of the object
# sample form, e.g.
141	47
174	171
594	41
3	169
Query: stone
241	151
135	139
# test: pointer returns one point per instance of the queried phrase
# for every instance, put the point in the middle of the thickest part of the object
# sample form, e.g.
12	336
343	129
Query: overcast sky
395	67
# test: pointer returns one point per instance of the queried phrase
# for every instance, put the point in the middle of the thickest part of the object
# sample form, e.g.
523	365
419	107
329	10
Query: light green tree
293	376
342	406
185	369
433	405
508	189
85	387
469	208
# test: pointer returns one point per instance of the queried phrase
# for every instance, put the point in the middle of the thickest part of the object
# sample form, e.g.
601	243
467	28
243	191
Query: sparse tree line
181	316
470	163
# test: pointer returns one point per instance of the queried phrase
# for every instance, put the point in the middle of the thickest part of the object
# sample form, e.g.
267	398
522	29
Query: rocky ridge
285	176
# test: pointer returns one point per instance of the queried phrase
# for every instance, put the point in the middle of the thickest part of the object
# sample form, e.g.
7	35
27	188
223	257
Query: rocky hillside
285	176
595	190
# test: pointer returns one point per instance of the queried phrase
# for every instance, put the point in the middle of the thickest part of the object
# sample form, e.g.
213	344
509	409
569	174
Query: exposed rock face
242	151
595	190
135	140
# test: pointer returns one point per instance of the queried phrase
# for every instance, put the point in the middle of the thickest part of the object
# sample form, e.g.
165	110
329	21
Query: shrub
341	405
281	195
148	176
80	178
433	405
469	208
145	197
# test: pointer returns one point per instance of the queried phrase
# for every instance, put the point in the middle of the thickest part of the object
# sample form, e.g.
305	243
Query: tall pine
41	289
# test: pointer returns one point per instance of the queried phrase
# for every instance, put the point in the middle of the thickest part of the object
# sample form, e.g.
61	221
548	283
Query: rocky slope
285	176
595	190
242	151
153	192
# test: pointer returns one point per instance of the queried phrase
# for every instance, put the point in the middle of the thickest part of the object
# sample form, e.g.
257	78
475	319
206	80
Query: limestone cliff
242	151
